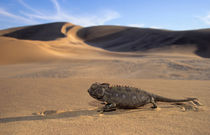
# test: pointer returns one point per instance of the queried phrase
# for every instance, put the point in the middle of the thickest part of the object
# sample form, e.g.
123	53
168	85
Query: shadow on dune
71	114
120	38
67	114
53	114
43	32
128	39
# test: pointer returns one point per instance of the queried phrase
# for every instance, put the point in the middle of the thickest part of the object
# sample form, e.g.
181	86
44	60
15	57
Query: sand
45	71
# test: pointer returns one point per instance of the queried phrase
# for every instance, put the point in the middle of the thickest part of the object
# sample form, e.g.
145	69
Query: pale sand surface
43	87
76	110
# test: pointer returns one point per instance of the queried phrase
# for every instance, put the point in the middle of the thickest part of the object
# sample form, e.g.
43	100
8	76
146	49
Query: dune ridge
63	40
130	39
45	42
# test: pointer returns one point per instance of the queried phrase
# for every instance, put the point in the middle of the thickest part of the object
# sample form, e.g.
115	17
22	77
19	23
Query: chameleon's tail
163	99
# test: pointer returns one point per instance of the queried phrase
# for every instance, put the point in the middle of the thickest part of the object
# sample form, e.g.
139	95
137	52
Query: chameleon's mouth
99	98
96	97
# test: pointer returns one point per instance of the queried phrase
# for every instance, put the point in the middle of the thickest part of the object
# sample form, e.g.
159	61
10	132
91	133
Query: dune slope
65	37
118	38
43	32
41	43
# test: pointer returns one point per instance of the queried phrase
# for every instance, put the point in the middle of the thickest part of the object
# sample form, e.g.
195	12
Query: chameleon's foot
154	107
196	102
106	110
109	107
109	110
153	103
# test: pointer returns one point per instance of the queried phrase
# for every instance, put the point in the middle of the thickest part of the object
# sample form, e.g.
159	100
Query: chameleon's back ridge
127	97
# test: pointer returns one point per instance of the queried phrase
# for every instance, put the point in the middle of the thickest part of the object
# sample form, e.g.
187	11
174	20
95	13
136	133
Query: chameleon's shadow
53	114
60	115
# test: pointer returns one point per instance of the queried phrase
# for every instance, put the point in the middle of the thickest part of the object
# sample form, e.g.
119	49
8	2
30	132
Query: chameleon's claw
109	110
109	107
196	102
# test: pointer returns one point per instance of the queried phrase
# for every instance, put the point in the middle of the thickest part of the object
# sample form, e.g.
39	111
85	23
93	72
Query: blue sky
164	14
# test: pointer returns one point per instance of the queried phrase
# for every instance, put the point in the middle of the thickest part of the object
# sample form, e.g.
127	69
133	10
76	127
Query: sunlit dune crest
65	40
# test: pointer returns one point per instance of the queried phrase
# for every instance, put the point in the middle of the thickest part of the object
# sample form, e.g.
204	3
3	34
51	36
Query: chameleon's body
127	97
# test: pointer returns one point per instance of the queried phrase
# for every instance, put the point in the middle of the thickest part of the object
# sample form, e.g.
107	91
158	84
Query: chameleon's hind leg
109	107
153	102
196	102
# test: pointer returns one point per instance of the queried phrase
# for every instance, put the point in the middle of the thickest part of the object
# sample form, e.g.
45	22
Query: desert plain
45	71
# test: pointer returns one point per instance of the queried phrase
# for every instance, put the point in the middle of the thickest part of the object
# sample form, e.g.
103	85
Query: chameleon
127	97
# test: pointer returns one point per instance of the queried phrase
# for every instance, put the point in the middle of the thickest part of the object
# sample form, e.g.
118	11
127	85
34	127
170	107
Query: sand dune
47	42
65	39
46	69
43	32
116	38
15	51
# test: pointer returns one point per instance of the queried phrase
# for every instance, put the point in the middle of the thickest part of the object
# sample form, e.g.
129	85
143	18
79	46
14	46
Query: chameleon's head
96	90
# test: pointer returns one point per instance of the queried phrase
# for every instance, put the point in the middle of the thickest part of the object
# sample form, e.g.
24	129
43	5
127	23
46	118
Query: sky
160	14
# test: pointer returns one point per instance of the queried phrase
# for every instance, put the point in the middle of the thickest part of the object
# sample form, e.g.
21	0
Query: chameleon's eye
94	86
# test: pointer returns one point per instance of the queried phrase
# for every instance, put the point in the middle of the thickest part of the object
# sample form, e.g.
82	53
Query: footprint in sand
48	112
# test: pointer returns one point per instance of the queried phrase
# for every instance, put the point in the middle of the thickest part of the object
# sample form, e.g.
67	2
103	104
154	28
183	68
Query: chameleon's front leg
109	107
153	102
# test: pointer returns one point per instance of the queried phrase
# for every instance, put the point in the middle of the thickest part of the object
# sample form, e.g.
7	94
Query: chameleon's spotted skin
126	97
